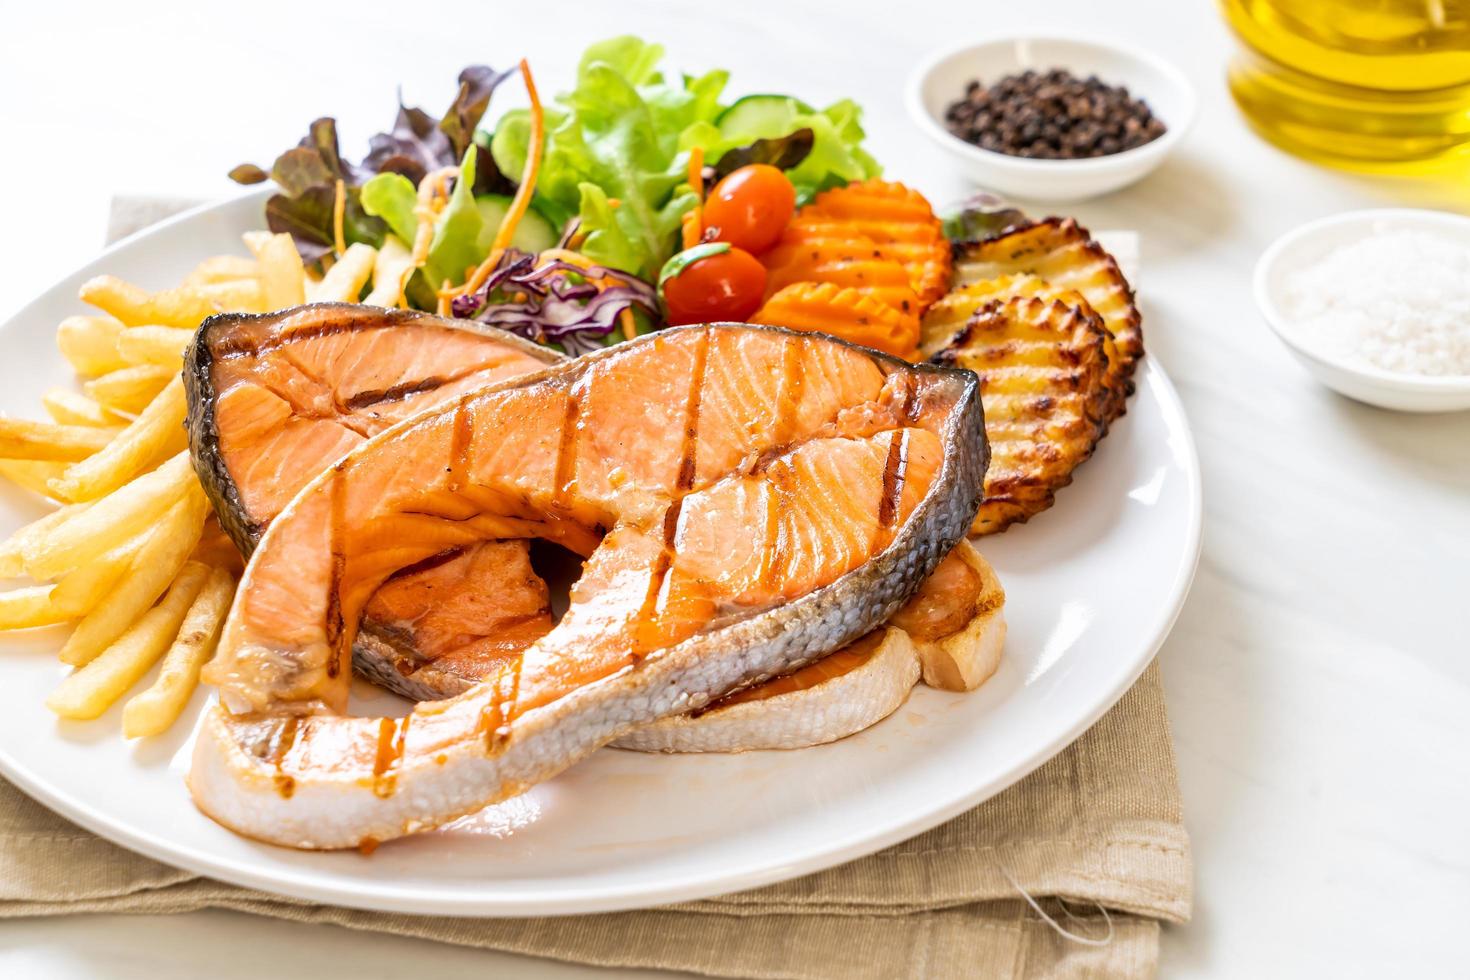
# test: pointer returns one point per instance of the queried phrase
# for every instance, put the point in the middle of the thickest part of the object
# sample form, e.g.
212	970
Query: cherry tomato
751	207
725	286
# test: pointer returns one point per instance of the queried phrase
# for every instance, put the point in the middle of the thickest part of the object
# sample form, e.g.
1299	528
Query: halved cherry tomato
725	285
751	207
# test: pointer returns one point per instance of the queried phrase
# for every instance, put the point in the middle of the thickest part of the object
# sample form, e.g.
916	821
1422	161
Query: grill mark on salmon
335	626
397	393
566	450
647	639
727	617
459	461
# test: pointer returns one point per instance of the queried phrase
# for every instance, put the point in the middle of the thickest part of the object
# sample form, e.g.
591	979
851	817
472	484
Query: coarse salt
1396	299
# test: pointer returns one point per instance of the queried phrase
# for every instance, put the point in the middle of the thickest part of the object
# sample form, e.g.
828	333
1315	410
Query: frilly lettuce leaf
617	150
308	172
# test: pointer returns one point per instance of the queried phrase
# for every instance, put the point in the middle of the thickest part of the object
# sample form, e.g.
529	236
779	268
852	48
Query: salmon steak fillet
276	398
747	499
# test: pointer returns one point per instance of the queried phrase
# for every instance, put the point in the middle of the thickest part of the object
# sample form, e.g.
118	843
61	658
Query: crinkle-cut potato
851	314
852	262
898	219
952	314
1042	381
1062	253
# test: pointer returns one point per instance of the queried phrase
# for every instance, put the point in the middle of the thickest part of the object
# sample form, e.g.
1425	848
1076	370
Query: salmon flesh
748	500
275	399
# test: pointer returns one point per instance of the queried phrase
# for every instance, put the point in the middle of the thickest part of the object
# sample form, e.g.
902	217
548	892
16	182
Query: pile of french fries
131	555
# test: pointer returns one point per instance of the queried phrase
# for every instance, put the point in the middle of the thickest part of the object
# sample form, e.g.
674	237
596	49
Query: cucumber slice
761	116
533	234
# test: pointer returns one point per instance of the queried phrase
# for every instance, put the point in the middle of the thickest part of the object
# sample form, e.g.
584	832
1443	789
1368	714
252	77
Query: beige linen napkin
1099	826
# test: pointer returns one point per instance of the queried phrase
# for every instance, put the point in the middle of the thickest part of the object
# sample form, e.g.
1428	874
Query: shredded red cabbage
555	302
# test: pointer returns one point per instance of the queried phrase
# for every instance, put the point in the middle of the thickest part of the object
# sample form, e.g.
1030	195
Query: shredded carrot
615	202
339	215
570	258
522	200
696	173
445	300
630	326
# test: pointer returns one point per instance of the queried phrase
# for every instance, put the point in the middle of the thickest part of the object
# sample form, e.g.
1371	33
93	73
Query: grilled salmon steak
274	399
749	499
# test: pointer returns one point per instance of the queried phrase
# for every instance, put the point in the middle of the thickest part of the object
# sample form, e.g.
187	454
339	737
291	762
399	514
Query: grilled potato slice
1043	373
952	314
1063	254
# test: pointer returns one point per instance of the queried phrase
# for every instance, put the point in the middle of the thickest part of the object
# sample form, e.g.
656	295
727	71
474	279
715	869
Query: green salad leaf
392	197
617	149
455	246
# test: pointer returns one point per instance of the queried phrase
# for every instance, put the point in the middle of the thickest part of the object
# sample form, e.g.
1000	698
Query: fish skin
446	771
380	654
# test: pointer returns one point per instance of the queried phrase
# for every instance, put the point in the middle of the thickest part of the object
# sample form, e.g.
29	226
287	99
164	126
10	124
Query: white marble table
1319	678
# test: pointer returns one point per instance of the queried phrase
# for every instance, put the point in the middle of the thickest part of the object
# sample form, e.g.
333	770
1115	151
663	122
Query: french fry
184	306
109	522
256	242
154	345
222	268
156	563
89	343
25	439
88	692
78	593
34	475
132	388
27	607
159	428
155	709
13	550
68	407
282	277
390	271
344	281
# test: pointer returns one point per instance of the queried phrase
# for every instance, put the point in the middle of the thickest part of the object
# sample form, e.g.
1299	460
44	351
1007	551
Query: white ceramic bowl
1364	382
941	79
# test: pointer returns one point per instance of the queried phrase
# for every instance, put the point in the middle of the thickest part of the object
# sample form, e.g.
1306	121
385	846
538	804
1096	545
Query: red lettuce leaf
307	173
781	152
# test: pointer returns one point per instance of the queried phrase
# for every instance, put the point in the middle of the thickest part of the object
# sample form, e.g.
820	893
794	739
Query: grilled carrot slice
898	219
851	314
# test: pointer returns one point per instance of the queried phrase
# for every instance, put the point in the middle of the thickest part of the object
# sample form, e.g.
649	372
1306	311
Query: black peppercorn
1052	115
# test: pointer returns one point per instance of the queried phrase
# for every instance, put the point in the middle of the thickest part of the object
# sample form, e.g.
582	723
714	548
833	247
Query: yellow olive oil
1369	84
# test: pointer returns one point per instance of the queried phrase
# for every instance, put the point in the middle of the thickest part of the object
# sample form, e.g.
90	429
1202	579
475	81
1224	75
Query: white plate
1093	585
